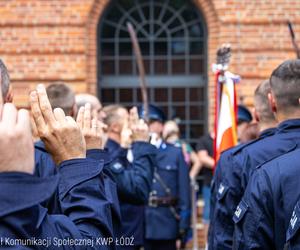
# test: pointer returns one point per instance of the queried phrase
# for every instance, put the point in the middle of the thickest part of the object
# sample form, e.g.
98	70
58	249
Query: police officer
168	212
40	153
132	169
23	220
235	166
62	96
262	217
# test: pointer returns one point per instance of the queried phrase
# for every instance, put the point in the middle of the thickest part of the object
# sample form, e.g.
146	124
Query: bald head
261	103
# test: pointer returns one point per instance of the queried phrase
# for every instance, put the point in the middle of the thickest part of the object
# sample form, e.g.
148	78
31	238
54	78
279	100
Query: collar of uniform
114	149
267	132
40	145
112	145
20	191
287	125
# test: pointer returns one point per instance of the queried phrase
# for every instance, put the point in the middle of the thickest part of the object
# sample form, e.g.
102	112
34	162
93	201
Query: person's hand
140	130
62	136
34	132
126	136
16	145
92	129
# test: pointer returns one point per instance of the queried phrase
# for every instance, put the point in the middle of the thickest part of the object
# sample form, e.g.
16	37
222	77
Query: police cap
244	114
155	113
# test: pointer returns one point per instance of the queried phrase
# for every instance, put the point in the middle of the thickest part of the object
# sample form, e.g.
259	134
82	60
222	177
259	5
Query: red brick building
85	43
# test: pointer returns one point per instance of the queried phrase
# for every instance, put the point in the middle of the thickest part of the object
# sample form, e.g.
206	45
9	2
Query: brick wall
46	40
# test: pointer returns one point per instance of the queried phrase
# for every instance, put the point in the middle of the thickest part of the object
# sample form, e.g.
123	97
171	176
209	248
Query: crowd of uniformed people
76	175
256	185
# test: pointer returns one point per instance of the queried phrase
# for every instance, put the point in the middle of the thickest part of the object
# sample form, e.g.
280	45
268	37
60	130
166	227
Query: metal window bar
170	79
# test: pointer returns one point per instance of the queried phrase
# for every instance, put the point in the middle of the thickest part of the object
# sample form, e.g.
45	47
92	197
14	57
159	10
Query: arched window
172	36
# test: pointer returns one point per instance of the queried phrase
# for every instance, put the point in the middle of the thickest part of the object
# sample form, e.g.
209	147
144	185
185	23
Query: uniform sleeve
253	216
293	232
84	215
134	182
110	185
221	224
44	165
98	155
226	195
184	194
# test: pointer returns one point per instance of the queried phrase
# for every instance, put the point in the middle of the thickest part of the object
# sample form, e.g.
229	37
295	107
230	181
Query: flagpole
217	103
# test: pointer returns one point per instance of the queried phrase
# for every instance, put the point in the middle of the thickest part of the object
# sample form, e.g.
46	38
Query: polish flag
226	113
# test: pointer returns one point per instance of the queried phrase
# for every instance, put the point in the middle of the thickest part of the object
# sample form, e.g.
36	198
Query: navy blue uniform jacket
265	212
45	167
161	224
236	167
133	184
293	232
227	190
81	198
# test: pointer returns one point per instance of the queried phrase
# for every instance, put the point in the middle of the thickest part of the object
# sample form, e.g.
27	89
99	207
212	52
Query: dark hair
285	85
5	81
61	96
261	102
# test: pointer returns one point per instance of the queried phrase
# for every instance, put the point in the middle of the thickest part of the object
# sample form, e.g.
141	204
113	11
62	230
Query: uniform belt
162	201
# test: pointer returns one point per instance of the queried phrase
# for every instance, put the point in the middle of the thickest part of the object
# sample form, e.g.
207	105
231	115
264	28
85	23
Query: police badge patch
117	167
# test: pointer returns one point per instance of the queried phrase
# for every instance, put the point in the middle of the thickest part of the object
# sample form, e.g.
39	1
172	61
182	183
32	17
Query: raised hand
126	135
16	145
62	136
140	130
92	129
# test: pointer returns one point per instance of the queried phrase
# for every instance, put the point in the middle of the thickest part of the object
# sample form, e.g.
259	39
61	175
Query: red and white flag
225	113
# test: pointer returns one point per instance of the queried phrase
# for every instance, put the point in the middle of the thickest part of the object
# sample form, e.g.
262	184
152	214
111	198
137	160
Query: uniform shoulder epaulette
240	147
230	150
289	149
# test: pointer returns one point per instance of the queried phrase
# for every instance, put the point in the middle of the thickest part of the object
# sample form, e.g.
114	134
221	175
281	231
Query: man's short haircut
5	81
61	96
111	112
285	85
261	102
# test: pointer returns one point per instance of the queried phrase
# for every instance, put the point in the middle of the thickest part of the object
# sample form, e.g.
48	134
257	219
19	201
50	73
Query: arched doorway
173	39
